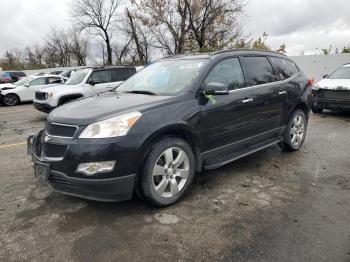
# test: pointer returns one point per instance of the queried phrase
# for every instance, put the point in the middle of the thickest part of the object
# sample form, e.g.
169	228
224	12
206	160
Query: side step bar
228	158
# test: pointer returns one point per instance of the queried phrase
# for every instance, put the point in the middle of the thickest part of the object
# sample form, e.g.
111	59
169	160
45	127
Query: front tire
295	133
167	172
11	100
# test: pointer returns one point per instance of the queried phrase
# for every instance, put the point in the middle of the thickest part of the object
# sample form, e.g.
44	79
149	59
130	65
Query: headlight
112	127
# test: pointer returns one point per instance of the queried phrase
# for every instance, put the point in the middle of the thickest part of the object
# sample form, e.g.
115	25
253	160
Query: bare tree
167	21
140	36
79	49
58	48
97	17
213	24
35	56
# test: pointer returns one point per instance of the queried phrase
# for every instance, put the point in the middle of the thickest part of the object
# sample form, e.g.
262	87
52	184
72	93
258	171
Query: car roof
211	55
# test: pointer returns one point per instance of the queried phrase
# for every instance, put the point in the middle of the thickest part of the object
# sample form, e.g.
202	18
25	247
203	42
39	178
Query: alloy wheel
297	131
10	100
170	172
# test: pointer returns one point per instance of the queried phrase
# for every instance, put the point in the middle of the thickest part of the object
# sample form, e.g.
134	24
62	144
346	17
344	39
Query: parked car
67	73
57	72
179	115
24	90
333	92
11	76
82	83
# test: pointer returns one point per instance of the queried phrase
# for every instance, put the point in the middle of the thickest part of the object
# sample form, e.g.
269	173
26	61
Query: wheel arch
178	130
71	96
302	106
11	93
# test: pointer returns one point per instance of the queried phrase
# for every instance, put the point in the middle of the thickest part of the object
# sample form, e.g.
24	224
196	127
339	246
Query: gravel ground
270	206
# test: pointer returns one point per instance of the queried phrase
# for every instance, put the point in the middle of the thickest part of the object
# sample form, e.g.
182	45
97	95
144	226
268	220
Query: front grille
339	95
60	129
40	95
54	151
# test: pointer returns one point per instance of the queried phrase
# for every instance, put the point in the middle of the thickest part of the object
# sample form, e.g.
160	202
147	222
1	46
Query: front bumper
331	104
43	107
61	176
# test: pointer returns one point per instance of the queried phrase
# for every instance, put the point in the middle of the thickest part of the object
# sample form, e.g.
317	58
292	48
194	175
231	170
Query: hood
88	110
7	86
334	84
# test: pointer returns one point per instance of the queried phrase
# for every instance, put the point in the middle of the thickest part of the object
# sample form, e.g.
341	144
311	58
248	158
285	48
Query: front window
165	77
77	77
341	73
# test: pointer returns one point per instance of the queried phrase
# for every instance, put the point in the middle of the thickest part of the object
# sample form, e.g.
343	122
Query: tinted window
102	76
285	68
259	70
121	74
38	81
228	72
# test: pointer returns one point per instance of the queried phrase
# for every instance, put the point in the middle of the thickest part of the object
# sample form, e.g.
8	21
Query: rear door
269	98
226	121
28	93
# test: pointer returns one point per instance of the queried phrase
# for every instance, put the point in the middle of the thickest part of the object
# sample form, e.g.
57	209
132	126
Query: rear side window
102	76
285	68
228	72
259	70
121	74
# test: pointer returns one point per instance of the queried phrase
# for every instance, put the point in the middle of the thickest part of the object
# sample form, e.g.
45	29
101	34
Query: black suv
177	116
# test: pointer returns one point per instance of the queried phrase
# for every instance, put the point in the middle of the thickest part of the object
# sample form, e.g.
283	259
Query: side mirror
92	82
26	85
215	89
325	76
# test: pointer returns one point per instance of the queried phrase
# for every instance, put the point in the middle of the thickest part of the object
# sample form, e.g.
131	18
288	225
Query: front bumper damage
59	171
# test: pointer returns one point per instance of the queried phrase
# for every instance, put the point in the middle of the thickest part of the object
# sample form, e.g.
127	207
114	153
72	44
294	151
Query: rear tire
295	133
168	171
10	100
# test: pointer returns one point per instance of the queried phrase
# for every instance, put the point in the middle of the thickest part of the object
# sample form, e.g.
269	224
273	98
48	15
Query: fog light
93	168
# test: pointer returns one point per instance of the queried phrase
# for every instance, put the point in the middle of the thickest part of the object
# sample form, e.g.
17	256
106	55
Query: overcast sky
303	25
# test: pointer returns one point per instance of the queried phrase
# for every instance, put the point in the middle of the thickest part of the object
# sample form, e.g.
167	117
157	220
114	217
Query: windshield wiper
144	92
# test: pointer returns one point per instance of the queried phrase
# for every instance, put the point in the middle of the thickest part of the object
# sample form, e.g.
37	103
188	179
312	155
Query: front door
226	121
103	80
34	85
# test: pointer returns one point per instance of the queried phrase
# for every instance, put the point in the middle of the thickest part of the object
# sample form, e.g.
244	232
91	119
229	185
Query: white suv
333	92
24	89
82	83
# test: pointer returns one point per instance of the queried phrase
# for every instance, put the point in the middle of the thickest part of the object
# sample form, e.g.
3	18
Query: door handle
282	92
247	100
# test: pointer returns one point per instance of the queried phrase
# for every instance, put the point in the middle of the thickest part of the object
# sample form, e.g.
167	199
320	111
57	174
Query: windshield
341	73
77	77
165	77
23	81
